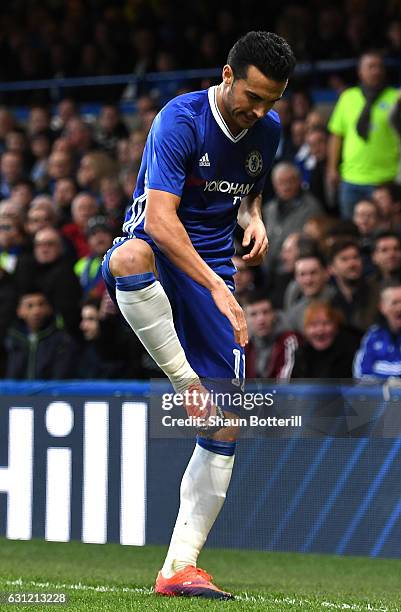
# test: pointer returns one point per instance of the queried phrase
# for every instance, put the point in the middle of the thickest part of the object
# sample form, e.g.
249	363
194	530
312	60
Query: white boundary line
287	601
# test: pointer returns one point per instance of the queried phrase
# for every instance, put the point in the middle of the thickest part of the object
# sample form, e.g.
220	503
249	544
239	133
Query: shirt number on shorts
238	358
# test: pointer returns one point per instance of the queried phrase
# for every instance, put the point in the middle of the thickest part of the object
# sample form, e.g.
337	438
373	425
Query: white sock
203	491
149	314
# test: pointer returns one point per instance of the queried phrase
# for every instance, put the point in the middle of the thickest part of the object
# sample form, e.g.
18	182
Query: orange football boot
190	582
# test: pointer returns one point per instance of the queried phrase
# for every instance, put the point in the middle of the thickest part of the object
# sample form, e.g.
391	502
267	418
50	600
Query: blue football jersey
190	152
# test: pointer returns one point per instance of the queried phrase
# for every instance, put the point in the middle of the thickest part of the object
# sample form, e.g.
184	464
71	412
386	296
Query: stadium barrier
59	86
58	83
83	461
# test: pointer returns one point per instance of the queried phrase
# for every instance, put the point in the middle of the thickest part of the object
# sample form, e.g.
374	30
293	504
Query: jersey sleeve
170	146
337	120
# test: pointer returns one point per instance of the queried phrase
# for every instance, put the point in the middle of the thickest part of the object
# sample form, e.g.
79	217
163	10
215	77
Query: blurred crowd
327	301
77	38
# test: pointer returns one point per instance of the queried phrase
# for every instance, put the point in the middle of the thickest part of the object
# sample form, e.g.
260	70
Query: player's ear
228	75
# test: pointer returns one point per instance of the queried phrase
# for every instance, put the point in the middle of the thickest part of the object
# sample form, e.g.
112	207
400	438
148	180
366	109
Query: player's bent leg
210	343
145	306
132	257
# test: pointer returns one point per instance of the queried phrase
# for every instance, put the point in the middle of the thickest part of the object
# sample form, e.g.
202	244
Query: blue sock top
220	447
134	282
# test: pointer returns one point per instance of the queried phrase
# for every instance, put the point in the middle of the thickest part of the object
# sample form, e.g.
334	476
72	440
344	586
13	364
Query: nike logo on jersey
204	160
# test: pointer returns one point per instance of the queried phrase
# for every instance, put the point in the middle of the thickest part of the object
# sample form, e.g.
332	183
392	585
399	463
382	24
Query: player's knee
228	433
133	257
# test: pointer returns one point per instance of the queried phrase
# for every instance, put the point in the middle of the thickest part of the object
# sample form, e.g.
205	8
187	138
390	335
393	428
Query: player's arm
250	219
165	228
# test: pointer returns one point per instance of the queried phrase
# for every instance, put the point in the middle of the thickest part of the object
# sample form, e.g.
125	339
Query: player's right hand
228	306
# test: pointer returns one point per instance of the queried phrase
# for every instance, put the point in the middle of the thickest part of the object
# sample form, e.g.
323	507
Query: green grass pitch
117	578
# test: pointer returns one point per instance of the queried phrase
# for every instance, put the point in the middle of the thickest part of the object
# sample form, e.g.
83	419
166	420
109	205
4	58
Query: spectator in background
329	41
110	129
66	110
329	348
311	283
298	133
366	219
287	212
301	104
128	181
314	120
12	243
108	351
271	347
60	165
17	142
37	348
354	296
8	304
379	355
12	210
393	36
88	269
79	137
123	154
92	169
137	141
285	150
278	280
12	171
92	362
317	141
388	200
144	104
386	256
38	120
65	191
7	123
364	148
22	193
113	202
317	228
244	278
39	216
83	208
41	146
52	272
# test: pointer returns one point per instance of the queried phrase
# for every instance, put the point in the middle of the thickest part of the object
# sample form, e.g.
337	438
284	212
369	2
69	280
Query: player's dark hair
268	52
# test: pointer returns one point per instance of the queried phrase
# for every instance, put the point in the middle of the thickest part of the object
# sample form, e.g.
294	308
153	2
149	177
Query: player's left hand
255	232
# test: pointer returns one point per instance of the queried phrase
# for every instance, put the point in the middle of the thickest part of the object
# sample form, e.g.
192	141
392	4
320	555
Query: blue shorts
206	335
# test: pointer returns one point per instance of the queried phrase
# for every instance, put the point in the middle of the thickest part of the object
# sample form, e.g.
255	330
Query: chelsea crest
254	163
